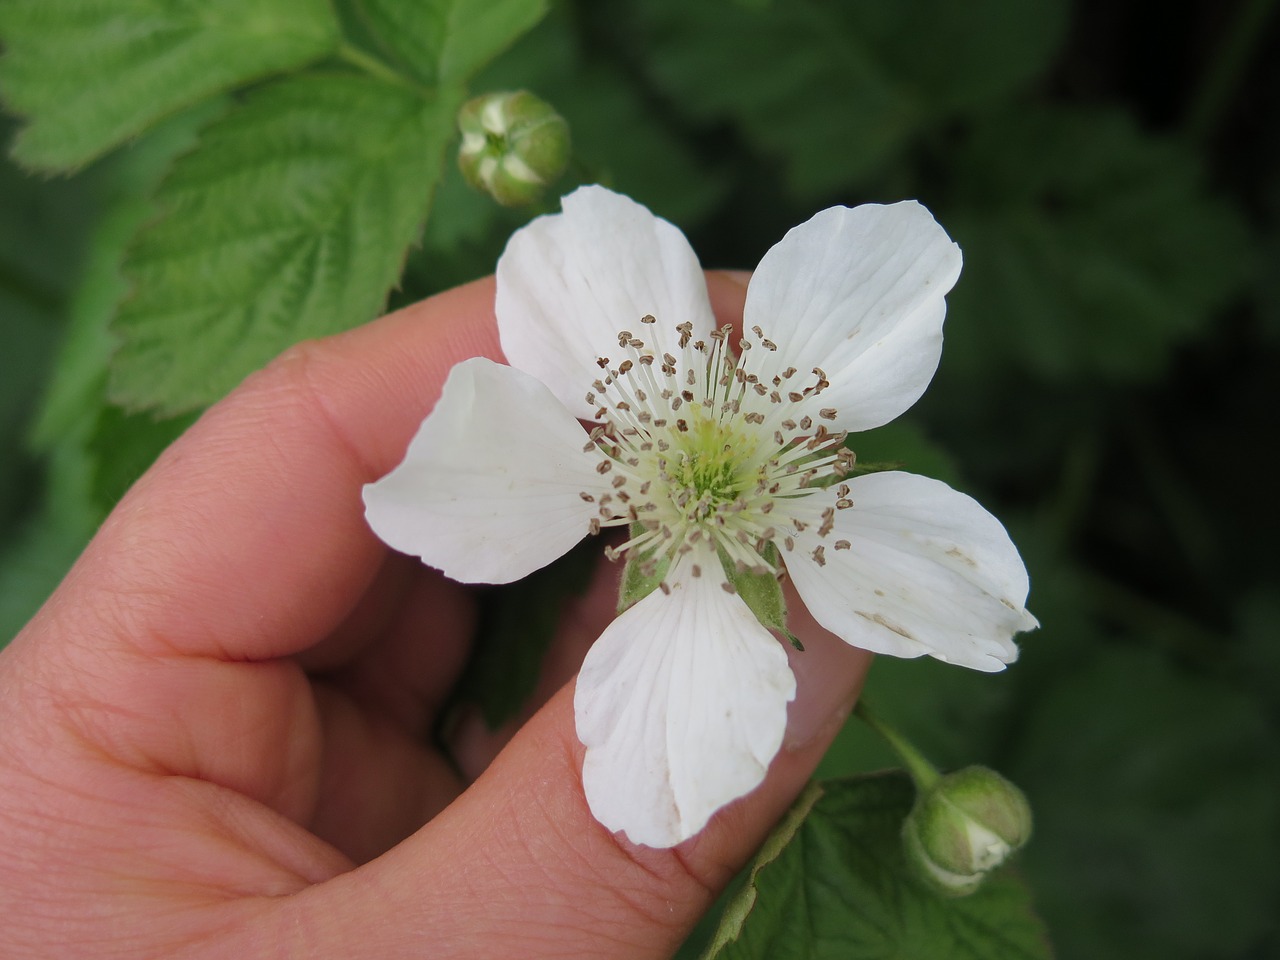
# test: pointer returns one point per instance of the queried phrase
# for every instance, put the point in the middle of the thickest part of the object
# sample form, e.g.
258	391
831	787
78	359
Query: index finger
246	539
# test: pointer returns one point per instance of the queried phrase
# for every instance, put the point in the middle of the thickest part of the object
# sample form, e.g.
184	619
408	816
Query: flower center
707	459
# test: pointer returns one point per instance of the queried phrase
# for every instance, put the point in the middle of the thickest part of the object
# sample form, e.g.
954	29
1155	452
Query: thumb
518	866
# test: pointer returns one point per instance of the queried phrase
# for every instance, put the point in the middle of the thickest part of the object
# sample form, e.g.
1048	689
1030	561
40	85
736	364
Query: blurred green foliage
1111	170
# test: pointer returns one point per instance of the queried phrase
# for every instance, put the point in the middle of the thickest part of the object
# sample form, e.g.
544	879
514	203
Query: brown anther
593	526
769	345
727	587
806	423
602	363
842	544
665	588
788	373
789	543
827	413
604	466
619	481
843	503
625	366
695	569
828	521
648	318
682	426
795	397
623	337
819	555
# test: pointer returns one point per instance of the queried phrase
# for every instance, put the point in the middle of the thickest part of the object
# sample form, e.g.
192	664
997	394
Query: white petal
858	293
490	488
928	572
569	282
682	704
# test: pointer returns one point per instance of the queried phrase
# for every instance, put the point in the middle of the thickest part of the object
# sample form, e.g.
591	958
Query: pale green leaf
833	884
446	41
89	74
290	221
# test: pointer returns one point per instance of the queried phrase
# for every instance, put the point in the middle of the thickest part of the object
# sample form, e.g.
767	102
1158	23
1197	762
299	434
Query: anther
648	318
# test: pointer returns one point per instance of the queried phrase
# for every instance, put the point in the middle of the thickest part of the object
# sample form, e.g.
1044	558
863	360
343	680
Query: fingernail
829	675
740	277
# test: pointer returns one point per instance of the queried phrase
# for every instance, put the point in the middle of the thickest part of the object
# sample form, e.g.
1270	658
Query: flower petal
682	704
858	293
569	282
928	571
490	488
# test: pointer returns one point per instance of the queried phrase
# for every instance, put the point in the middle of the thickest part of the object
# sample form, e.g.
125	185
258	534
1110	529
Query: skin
214	733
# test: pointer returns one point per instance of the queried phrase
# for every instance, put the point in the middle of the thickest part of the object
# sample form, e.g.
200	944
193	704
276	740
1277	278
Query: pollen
710	456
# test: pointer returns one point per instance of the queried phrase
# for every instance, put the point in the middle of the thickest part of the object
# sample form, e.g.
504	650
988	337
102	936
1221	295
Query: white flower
706	448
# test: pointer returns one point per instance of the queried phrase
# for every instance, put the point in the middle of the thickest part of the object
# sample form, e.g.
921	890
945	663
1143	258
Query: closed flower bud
513	146
964	826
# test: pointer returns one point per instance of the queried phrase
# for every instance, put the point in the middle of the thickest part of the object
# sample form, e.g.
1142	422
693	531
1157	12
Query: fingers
518	866
247	539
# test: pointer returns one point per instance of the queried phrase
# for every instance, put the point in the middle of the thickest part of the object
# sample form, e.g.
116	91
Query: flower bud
513	145
964	826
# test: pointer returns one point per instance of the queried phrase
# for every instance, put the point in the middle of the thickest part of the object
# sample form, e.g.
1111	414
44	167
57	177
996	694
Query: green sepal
635	584
762	593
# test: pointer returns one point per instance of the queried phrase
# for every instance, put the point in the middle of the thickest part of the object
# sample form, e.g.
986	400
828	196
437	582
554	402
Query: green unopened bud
964	826
513	146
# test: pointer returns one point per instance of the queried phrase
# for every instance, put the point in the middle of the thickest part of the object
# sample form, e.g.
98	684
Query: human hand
216	732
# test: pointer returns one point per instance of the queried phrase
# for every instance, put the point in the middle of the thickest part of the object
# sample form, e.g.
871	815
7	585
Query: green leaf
290	221
48	542
92	73
1090	249
835	91
123	446
443	42
833	882
1154	790
76	392
517	624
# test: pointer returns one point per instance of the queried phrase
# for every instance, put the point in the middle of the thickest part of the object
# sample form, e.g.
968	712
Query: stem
1233	55
373	66
924	773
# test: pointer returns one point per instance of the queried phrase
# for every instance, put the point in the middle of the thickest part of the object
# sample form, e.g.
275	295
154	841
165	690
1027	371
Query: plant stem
924	773
1228	65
